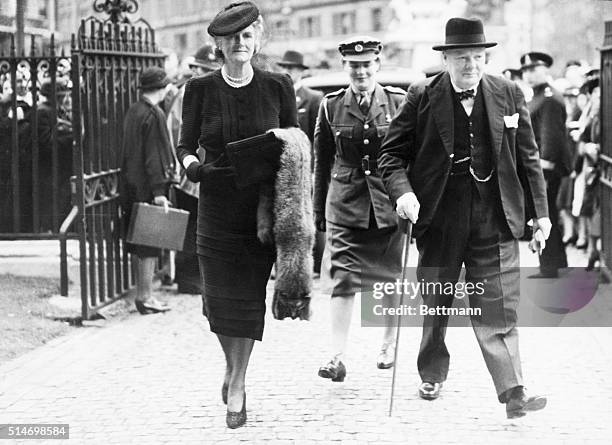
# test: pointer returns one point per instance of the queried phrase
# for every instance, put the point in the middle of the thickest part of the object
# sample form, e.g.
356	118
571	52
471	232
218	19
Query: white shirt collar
297	85
459	90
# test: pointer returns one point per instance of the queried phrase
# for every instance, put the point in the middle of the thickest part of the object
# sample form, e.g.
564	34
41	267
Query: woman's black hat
464	33
153	78
233	18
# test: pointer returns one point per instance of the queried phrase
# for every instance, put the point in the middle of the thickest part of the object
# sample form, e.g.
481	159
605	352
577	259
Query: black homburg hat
464	33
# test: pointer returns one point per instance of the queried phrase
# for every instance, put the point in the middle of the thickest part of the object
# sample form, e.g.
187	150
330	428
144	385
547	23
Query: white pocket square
511	121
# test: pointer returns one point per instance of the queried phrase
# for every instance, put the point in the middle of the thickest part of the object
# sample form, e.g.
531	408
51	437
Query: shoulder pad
548	92
394	90
336	93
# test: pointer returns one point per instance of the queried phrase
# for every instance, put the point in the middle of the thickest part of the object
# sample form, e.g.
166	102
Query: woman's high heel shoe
236	420
334	370
150	306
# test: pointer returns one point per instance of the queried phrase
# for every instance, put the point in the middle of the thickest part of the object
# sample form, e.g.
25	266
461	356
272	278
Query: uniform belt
368	166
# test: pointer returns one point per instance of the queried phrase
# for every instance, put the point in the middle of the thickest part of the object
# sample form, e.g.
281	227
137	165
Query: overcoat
148	166
308	101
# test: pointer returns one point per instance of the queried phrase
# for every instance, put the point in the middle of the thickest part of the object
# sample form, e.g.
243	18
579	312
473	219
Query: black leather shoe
429	390
151	306
334	370
519	403
236	420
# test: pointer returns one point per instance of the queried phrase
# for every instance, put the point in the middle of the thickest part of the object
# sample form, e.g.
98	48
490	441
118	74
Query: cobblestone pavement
156	379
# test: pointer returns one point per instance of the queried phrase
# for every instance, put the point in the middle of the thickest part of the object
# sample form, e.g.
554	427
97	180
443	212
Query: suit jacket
548	117
308	101
343	136
421	140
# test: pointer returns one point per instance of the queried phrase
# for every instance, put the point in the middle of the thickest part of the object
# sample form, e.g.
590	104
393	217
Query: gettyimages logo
495	298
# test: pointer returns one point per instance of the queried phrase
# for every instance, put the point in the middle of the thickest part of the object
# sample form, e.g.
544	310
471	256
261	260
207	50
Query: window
377	17
180	42
310	27
344	23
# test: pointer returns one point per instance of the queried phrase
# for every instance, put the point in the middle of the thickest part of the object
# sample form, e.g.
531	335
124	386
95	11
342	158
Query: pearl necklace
237	82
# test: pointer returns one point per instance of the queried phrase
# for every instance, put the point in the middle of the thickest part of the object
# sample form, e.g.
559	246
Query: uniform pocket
343	131
381	131
341	174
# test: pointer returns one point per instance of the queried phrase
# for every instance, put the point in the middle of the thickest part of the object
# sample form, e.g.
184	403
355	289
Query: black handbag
255	159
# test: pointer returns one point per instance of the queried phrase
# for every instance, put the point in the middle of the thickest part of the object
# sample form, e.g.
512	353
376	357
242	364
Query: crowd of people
471	160
462	156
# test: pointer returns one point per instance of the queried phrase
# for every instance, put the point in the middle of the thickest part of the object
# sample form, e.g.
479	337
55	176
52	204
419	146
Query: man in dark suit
548	118
307	102
466	140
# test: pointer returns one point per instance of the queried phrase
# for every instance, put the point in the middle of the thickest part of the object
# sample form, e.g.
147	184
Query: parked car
334	80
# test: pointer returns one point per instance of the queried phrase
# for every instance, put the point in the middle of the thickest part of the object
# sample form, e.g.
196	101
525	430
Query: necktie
364	102
467	94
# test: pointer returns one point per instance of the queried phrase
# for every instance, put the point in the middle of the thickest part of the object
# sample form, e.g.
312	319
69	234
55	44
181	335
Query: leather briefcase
151	226
255	159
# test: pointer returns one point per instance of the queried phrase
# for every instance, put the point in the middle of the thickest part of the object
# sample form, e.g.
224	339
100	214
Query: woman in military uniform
350	202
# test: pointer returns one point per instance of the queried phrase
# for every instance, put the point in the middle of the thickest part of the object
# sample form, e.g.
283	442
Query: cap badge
359	48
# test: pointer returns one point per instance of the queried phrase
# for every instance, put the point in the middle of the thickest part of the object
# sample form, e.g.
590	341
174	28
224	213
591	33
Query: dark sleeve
553	141
313	112
399	149
324	149
288	111
153	142
528	160
190	128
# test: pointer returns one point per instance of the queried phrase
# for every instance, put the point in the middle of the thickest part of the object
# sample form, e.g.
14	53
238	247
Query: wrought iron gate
605	158
107	58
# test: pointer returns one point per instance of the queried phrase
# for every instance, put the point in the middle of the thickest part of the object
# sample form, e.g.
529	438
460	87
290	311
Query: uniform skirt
234	297
360	257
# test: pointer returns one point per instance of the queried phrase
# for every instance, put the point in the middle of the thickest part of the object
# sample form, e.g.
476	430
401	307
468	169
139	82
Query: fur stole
284	215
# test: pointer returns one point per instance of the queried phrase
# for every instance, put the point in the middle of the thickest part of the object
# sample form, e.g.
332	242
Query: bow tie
467	94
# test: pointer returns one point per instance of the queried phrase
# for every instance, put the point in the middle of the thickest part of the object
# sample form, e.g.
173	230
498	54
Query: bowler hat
535	58
233	18
205	58
61	87
464	33
293	58
153	78
360	49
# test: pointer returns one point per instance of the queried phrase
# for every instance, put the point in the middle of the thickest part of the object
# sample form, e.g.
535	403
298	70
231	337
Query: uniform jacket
148	165
343	136
548	117
308	101
420	138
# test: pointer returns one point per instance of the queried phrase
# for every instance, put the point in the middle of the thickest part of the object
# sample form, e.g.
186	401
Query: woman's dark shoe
224	392
334	370
593	258
151	306
386	357
236	420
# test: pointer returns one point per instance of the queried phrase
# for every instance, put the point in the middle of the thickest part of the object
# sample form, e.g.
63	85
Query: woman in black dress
235	102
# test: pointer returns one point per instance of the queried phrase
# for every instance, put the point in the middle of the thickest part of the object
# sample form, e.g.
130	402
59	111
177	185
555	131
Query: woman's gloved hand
210	173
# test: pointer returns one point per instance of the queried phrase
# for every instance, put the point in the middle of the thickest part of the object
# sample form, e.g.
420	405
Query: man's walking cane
406	227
